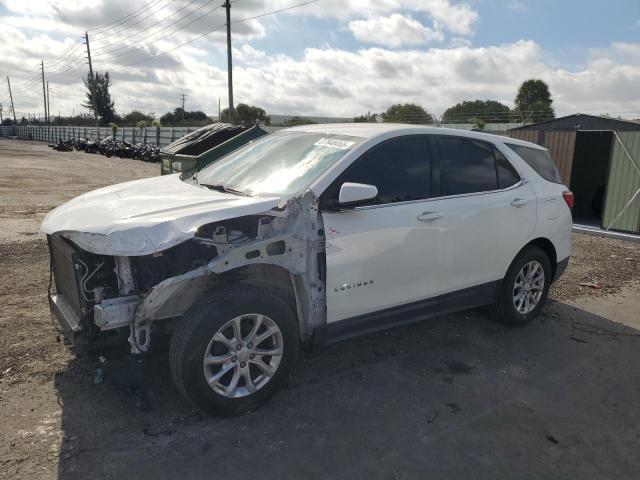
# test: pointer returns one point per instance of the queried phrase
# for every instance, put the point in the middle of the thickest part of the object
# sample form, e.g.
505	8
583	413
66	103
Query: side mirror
354	194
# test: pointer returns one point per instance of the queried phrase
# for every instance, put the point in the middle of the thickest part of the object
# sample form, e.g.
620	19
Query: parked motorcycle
110	147
63	146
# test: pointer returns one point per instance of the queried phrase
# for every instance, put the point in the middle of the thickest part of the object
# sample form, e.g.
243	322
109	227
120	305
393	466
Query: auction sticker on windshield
334	143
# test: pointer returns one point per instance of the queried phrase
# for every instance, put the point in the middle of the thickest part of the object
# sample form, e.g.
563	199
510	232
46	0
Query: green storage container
172	162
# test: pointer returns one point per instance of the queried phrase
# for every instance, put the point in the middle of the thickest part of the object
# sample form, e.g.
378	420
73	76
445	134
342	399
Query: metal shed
599	160
622	205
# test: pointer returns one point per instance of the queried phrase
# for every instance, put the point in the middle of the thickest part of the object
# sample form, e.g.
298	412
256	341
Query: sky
336	58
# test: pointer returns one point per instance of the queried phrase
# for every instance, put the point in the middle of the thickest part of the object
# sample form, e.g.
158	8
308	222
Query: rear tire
524	289
217	353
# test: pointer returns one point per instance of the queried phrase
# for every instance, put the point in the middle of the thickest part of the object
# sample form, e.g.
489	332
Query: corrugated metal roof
581	121
622	184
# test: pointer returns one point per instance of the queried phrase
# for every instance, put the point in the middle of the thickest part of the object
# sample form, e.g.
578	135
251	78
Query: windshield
282	163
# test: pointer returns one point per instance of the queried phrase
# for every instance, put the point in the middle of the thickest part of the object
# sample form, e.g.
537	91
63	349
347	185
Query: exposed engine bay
282	248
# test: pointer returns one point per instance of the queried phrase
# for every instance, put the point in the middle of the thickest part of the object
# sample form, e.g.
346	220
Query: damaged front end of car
99	290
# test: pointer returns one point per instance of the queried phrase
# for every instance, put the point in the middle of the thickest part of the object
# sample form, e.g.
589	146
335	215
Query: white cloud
250	56
460	42
458	18
395	30
627	51
335	82
326	80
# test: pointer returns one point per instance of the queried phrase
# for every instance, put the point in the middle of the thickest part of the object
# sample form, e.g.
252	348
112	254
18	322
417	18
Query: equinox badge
349	286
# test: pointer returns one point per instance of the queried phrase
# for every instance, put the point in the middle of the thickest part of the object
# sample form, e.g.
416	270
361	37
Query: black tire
504	311
200	323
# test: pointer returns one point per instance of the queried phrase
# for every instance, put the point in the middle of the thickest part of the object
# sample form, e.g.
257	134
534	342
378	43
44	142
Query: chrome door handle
519	202
429	216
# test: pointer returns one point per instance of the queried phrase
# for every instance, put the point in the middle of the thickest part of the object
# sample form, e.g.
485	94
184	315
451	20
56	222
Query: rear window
539	160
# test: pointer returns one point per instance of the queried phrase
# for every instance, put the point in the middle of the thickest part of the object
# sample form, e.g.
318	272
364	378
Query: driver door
384	253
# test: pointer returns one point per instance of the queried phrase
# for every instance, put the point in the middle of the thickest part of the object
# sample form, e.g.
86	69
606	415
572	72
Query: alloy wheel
243	355
528	287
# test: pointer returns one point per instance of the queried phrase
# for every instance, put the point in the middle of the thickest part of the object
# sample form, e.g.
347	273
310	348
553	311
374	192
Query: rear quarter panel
554	221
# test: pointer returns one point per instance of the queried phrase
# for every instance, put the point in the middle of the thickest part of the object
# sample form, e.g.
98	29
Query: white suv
311	234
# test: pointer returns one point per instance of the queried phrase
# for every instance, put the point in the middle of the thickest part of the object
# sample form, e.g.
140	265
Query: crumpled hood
146	216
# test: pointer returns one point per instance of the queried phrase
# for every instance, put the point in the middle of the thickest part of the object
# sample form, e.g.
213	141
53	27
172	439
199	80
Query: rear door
488	213
383	254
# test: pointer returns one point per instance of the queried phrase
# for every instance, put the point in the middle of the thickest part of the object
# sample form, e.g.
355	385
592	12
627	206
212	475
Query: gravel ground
458	397
602	262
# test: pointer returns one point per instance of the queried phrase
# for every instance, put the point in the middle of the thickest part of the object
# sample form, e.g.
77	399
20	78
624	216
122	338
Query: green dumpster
198	149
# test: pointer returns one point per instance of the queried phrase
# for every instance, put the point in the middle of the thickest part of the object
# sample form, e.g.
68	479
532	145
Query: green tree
83	120
366	118
246	115
407	113
478	123
98	89
533	102
180	116
490	111
135	116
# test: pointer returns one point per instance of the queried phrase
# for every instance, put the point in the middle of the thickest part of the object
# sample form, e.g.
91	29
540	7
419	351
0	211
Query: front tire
524	288
233	350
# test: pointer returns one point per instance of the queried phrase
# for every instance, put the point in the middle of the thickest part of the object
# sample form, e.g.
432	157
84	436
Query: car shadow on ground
452	397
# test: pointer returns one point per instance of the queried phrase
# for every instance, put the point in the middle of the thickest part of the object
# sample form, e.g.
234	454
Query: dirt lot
455	397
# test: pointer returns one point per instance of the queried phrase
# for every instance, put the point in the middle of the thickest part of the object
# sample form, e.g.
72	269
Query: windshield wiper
223	189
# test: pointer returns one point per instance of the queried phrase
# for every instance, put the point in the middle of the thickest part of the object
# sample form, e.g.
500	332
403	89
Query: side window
399	168
507	175
469	166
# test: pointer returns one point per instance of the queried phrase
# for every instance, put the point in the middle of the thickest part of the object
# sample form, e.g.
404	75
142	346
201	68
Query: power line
125	27
275	11
64	67
165	36
176	47
211	31
64	74
64	58
72	63
60	64
112	25
152	25
162	29
65	51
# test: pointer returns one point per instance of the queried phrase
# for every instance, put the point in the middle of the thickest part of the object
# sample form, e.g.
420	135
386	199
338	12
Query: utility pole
182	97
219	113
0	114
91	82
44	92
227	6
48	102
15	122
